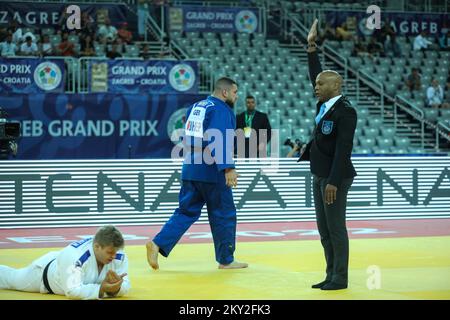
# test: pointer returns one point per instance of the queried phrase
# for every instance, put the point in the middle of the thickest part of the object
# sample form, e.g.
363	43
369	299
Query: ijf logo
47	76
182	77
246	21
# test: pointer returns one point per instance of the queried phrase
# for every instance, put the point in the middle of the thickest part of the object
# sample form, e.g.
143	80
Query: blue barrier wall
96	126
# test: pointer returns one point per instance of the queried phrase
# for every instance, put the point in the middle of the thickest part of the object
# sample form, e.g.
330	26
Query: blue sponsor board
403	24
44	15
214	19
31	75
150	76
97	126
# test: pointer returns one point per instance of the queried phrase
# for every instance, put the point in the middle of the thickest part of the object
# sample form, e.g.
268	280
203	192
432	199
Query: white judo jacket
74	272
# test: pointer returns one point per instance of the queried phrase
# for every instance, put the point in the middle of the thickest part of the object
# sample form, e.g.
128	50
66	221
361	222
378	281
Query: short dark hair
224	83
109	236
250	97
28	38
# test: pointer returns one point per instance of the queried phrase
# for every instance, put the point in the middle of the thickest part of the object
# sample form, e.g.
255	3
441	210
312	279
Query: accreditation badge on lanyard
248	125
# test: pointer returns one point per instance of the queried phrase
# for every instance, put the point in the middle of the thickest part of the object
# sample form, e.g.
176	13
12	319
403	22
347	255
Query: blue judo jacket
208	152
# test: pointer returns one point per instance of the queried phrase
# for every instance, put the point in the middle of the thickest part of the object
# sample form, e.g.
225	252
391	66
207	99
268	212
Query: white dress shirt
330	103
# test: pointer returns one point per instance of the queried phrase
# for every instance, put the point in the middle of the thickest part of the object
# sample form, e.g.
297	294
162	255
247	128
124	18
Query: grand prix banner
404	24
96	126
149	76
43	15
214	19
31	75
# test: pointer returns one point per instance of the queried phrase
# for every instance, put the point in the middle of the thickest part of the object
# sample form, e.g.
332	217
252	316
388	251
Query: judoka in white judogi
75	272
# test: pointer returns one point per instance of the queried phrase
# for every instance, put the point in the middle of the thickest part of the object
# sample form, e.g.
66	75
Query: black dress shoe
333	286
320	285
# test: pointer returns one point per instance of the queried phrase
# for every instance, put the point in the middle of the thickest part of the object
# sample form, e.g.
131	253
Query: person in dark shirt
113	53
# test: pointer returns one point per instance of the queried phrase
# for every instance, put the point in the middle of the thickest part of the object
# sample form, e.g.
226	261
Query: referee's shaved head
328	85
333	76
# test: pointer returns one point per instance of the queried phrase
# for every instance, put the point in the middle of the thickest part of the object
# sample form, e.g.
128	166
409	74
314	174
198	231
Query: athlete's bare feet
152	254
234	265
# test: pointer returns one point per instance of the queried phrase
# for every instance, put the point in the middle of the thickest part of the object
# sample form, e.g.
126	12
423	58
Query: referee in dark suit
329	154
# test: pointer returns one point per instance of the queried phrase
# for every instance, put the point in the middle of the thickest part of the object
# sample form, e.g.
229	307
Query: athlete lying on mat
91	268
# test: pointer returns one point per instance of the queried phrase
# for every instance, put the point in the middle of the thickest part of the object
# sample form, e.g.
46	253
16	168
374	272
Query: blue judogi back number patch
194	123
327	127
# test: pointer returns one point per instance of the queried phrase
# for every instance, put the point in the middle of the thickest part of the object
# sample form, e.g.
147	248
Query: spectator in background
421	42
8	48
145	52
120	47
46	47
328	33
391	47
29	48
87	47
124	33
342	33
448	80
66	48
113	53
374	48
87	26
444	41
413	80
3	33
359	48
62	22
255	125
382	34
17	33
142	9
435	95
106	32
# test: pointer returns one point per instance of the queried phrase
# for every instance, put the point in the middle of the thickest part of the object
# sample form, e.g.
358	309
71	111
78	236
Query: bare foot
152	254
234	265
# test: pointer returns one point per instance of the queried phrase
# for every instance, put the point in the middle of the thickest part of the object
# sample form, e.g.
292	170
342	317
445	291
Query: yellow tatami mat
390	268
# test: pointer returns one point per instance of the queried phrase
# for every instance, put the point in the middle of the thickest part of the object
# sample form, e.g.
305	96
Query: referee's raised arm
313	57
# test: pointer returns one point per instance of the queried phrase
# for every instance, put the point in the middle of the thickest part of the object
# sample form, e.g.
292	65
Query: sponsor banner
44	15
143	192
214	19
31	75
96	126
150	76
404	24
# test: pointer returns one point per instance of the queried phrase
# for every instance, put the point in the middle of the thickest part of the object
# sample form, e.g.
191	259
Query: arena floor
412	258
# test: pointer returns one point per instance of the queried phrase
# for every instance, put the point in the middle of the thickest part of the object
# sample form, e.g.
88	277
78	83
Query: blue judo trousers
204	183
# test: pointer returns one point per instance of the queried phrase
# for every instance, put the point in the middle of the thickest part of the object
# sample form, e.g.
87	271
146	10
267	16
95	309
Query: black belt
44	277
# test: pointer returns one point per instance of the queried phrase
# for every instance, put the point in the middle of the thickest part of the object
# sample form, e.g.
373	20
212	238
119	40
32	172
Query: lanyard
248	119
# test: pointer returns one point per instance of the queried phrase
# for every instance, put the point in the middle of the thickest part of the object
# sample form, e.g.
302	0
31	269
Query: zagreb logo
246	21
47	76
182	77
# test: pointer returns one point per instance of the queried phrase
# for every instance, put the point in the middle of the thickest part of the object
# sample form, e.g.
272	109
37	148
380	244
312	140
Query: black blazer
260	121
330	149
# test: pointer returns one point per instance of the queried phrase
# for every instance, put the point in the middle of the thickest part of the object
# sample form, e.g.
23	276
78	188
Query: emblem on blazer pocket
327	127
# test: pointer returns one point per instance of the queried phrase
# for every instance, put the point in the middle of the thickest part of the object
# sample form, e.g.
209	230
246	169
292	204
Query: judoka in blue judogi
208	174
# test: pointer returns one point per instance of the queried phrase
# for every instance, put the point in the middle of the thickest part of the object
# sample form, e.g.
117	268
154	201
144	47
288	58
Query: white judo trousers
28	279
73	273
